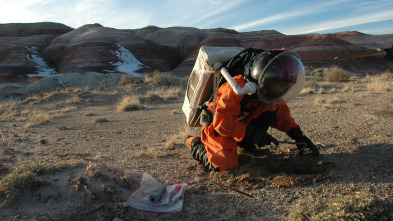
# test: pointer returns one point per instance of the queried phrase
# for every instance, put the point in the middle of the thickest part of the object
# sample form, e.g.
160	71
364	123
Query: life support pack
204	79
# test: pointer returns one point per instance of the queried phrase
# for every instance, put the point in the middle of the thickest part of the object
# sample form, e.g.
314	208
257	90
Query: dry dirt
352	125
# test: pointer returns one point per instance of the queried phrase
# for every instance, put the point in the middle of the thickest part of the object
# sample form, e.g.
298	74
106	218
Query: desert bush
42	116
12	185
88	114
157	78
316	72
335	74
129	103
380	84
165	93
387	75
129	79
38	118
100	120
9	110
355	206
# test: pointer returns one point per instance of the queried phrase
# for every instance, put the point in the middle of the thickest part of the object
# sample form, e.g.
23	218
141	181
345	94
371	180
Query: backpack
204	80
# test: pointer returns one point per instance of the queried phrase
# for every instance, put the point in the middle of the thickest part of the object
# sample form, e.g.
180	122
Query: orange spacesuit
241	122
222	136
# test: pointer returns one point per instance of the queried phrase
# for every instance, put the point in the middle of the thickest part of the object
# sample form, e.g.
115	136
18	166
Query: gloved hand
258	137
309	144
297	135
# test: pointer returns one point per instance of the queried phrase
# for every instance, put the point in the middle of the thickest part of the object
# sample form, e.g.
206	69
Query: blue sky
285	16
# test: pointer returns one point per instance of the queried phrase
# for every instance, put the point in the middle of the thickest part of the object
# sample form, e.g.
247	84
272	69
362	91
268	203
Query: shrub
157	78
316	72
12	185
100	120
129	79
165	93
335	74
87	114
356	206
380	84
129	103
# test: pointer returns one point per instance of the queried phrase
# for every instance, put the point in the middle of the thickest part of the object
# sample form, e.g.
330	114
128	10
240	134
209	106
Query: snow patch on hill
43	70
127	62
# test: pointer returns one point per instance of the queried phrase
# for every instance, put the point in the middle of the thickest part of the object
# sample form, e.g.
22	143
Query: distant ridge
92	47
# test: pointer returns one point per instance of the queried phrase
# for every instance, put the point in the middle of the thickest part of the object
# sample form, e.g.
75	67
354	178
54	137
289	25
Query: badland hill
39	49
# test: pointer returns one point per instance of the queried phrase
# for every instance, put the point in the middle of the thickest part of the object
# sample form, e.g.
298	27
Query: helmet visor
282	79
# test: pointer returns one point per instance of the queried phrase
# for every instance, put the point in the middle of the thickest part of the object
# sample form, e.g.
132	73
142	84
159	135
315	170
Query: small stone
43	141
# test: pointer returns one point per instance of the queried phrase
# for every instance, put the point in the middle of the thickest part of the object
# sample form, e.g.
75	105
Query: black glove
258	137
297	135
309	144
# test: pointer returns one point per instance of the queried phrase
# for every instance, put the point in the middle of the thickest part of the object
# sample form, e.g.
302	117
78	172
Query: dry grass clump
165	93
28	109
335	74
316	72
13	184
129	103
100	120
381	84
157	78
356	206
40	98
178	137
331	100
42	116
9	110
88	114
129	79
38	118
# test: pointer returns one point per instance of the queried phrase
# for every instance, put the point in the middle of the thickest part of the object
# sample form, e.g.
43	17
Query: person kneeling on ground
242	121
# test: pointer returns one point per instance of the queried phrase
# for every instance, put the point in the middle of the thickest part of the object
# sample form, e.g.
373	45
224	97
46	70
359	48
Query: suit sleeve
284	120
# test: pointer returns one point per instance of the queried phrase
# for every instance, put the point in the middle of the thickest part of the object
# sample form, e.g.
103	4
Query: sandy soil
351	123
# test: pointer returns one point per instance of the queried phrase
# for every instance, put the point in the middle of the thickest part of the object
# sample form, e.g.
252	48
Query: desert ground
74	152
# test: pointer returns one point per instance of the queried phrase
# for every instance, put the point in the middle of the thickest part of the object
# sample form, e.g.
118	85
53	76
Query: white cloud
344	22
217	9
299	11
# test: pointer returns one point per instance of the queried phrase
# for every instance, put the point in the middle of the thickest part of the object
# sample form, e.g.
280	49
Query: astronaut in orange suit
242	121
